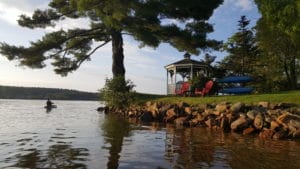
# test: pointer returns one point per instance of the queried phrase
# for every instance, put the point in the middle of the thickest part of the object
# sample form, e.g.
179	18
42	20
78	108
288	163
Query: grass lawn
282	97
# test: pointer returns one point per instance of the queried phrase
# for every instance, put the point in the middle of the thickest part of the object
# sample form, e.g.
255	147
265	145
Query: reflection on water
75	136
59	155
114	131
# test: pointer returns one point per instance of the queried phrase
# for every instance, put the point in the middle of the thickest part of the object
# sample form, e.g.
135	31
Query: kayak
50	107
237	90
235	79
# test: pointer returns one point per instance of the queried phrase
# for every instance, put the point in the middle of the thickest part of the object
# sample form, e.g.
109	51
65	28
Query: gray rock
237	107
240	124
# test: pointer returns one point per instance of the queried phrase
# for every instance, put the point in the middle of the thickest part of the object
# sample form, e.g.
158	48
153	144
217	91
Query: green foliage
198	82
278	34
118	92
147	21
283	15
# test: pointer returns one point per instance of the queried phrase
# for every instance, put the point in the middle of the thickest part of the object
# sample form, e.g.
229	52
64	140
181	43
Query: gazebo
185	69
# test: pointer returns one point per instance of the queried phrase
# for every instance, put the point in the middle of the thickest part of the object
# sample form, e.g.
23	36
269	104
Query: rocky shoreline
266	120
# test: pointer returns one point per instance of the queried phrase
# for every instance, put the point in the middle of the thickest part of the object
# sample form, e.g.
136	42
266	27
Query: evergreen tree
149	21
242	50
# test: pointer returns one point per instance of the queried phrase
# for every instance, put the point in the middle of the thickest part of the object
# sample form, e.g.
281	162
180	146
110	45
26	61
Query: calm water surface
75	136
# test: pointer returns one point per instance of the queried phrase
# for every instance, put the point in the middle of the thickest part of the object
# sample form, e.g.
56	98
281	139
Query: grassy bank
282	97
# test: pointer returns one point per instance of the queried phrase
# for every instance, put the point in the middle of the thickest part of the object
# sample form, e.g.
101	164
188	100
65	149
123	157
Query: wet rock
224	123
210	123
170	115
153	108
181	121
296	134
237	107
196	120
251	114
285	118
146	117
274	125
280	135
240	124
258	121
266	134
248	131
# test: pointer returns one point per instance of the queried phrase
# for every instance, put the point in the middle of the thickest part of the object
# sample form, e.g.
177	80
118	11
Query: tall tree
150	22
241	48
278	33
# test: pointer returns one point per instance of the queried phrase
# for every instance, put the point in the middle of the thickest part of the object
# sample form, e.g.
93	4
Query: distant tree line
12	92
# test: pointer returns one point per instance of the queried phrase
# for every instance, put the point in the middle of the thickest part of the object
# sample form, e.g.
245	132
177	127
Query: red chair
206	89
184	89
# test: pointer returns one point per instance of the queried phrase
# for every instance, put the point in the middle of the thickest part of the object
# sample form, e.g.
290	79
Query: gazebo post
175	72
167	81
191	73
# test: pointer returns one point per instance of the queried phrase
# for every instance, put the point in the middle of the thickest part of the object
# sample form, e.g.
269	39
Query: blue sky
144	66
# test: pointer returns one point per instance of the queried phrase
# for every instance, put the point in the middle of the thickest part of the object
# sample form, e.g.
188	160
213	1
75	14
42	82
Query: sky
144	66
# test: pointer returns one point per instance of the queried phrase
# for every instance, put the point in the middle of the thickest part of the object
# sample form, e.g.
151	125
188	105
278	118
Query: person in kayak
49	103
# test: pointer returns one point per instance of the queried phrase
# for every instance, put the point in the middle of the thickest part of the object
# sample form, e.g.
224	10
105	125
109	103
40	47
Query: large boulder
188	110
274	125
153	108
251	114
264	104
286	117
240	124
222	107
258	121
237	107
170	115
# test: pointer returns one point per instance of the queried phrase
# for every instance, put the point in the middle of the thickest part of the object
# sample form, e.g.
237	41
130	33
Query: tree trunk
117	54
293	73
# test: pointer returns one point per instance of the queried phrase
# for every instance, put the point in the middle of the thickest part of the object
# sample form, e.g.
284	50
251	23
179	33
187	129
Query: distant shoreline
37	93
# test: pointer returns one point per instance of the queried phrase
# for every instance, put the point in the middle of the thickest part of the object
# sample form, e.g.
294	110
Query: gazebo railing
171	89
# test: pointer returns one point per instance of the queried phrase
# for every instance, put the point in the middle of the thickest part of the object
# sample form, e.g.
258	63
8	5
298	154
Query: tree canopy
180	23
278	35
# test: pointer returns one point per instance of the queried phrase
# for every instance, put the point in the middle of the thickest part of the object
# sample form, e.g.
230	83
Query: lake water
76	136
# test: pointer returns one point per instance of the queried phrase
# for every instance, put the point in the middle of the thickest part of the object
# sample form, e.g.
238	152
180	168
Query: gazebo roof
186	62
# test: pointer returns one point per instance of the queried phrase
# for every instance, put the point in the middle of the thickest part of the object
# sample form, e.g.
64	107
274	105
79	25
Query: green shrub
118	92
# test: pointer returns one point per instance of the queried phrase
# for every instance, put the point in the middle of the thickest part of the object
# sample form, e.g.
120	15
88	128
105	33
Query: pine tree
242	50
148	21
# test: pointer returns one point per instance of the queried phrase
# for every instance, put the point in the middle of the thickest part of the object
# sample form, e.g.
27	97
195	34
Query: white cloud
10	10
246	5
